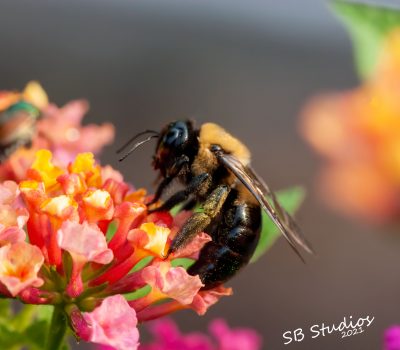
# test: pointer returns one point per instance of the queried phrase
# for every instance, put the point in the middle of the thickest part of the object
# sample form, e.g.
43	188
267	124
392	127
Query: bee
19	113
215	169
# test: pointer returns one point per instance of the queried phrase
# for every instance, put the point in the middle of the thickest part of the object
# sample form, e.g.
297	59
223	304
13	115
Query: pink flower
61	127
392	338
12	216
19	266
167	336
58	129
204	299
85	243
234	339
113	323
87	236
172	282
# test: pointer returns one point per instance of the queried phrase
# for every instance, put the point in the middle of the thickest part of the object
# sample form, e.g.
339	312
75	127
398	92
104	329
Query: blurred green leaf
368	26
44	312
291	200
5	308
35	333
9	337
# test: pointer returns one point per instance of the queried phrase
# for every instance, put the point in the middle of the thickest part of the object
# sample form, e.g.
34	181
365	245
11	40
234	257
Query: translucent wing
268	201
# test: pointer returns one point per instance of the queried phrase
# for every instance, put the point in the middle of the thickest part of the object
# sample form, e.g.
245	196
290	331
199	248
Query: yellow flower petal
158	236
45	168
35	94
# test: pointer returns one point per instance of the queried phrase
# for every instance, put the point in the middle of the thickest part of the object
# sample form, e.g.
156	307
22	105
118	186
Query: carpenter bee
215	169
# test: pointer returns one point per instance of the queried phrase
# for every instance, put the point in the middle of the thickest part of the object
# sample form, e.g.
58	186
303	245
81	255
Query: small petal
113	323
19	265
193	248
11	235
9	192
173	282
13	217
62	207
84	242
72	184
158	236
45	169
206	298
97	205
85	164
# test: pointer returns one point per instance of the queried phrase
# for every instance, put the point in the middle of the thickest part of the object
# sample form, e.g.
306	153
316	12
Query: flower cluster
358	132
58	129
92	249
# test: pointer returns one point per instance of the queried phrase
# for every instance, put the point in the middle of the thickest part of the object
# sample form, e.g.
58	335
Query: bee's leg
183	195
174	171
199	221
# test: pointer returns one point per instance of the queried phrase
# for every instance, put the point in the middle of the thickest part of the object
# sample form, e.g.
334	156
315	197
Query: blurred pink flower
392	338
168	337
66	137
58	129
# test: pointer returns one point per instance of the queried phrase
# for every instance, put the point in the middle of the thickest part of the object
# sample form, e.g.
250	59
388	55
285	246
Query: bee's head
176	139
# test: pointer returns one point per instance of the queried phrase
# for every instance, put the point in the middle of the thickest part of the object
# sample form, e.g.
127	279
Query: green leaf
142	263
182	262
44	312
111	229
10	337
368	26
35	333
140	293
5	308
290	199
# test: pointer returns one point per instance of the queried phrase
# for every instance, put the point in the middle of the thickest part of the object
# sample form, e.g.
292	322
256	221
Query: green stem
57	329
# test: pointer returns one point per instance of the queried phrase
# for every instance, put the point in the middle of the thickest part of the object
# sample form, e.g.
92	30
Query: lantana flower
93	252
57	129
358	133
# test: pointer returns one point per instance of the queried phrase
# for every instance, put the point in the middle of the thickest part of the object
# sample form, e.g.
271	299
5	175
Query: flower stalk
57	329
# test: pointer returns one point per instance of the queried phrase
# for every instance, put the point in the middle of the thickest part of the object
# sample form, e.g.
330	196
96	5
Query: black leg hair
183	195
174	171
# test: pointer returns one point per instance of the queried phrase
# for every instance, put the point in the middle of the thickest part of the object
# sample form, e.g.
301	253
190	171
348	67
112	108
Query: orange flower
358	132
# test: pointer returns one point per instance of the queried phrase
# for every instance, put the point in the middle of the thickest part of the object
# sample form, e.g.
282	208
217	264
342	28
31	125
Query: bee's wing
262	193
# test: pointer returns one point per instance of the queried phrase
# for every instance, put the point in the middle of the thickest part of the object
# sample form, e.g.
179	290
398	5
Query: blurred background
249	66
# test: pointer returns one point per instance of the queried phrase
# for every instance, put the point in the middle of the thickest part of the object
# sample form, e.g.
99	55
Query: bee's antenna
136	145
126	144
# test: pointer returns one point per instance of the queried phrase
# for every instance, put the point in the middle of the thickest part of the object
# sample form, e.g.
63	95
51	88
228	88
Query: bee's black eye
176	136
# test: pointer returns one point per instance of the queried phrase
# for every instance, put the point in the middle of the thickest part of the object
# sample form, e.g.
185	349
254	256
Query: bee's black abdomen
235	238
216	264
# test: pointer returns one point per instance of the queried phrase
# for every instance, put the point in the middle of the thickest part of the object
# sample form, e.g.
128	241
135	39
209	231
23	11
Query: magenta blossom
168	337
392	338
